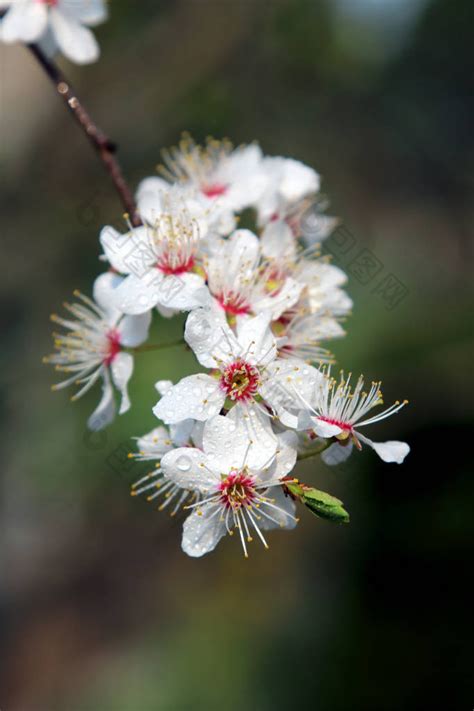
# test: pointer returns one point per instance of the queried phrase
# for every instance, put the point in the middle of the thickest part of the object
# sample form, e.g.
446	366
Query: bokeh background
99	608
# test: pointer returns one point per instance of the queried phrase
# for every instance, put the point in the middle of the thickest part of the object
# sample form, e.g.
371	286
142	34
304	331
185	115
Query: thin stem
100	141
314	452
157	346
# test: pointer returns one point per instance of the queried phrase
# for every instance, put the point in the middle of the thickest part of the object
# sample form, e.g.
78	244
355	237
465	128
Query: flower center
237	490
50	3
213	190
240	381
233	304
113	346
170	263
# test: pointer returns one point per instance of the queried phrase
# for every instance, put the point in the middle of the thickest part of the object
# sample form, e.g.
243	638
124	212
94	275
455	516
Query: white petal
277	240
166	313
183	292
232	442
286	454
181	432
325	429
134	329
190	469
157	187
201	534
90	12
130	252
286	297
337	453
104	292
298	180
257	342
210	337
322	276
390	452
137	295
105	410
24	22
286	380
156	443
285	516
75	41
243	249
198	397
162	386
261	441
122	369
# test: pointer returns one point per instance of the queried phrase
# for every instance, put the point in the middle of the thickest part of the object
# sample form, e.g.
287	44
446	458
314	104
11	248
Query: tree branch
101	142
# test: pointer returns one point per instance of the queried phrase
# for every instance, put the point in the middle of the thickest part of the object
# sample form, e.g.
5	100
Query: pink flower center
237	490
213	190
240	381
114	347
50	3
233	304
171	265
338	423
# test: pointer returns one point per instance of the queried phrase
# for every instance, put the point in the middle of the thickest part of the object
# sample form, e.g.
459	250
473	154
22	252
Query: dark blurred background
99	608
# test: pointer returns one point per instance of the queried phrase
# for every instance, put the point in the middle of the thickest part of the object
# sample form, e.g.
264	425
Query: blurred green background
99	608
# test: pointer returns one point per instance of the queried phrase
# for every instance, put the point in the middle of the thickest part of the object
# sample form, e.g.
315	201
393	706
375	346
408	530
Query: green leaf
319	502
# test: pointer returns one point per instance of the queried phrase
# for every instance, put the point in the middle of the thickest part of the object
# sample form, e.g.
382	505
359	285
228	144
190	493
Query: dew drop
183	463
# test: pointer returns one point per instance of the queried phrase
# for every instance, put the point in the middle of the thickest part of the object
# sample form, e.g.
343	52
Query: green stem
157	346
314	452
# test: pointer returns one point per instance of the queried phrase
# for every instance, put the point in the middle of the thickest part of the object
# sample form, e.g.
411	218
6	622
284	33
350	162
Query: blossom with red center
160	260
239	481
240	381
217	171
92	347
249	374
243	282
336	410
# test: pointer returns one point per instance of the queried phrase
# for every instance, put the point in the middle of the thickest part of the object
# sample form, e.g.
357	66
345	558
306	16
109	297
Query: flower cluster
260	306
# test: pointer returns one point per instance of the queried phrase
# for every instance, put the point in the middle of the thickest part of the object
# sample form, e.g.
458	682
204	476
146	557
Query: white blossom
242	281
230	177
336	410
245	371
287	182
239	484
65	22
160	261
92	348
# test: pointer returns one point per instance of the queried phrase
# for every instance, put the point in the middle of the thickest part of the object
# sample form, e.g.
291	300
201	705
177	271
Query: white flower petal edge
122	369
390	452
91	348
197	396
75	41
202	531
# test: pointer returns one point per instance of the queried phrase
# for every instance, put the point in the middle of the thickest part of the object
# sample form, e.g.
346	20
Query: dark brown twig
103	145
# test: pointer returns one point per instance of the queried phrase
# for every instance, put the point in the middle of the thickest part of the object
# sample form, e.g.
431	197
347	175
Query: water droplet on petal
183	463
